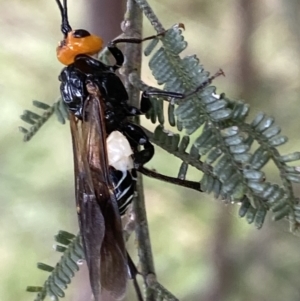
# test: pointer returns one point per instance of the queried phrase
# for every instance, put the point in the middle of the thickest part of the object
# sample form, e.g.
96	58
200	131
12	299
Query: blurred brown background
202	250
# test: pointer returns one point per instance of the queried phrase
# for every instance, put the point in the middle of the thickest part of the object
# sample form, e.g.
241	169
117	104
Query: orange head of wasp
75	42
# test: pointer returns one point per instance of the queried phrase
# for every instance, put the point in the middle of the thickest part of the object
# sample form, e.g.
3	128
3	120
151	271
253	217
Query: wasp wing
99	218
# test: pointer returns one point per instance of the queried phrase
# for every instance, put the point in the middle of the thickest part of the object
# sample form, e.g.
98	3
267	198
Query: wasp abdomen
124	187
123	176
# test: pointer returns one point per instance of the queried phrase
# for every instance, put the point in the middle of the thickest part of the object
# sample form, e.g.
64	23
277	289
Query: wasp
108	150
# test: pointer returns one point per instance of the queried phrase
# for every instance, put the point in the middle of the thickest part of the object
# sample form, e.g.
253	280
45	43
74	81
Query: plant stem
132	26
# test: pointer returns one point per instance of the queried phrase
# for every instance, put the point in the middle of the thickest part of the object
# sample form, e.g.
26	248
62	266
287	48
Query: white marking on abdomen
119	151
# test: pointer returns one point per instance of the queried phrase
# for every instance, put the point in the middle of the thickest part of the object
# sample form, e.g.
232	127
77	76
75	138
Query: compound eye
80	33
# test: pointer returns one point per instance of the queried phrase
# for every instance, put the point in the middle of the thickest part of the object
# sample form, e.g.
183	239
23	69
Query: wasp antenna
65	26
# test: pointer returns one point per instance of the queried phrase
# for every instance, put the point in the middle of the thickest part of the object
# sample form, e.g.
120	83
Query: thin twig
133	27
163	293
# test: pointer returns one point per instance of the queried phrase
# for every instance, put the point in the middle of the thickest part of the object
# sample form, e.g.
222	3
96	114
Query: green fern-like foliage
37	121
60	275
225	150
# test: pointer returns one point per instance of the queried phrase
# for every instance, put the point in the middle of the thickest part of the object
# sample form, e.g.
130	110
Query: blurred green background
202	250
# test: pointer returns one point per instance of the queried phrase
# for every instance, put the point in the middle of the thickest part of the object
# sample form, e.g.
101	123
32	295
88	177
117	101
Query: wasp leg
133	272
145	106
145	103
168	95
135	40
137	137
185	183
117	53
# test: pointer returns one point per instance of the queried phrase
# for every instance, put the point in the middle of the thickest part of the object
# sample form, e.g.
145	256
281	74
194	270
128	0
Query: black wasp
106	150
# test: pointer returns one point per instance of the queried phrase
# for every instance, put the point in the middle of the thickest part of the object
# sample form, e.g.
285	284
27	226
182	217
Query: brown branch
132	27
